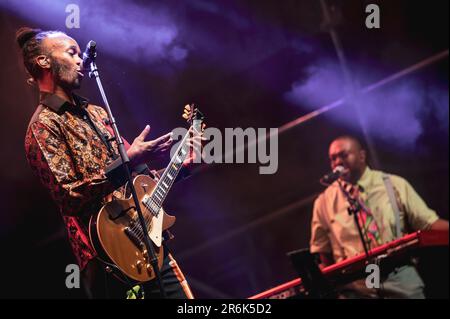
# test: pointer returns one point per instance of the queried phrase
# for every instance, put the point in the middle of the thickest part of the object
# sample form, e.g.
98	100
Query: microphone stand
152	259
354	209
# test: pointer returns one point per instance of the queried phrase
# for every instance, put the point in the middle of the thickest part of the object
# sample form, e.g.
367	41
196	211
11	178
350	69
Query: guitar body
116	234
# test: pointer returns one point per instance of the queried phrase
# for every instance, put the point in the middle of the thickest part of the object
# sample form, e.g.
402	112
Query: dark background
236	60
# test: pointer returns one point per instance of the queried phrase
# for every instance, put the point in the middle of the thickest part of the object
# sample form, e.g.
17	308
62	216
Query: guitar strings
136	228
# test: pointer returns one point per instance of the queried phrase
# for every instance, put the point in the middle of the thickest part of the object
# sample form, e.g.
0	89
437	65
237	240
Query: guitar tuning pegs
185	116
187	107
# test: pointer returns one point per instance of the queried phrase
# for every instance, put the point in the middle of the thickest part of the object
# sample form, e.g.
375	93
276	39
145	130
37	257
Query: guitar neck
172	170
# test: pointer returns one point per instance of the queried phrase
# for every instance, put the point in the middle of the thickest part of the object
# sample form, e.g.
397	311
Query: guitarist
68	145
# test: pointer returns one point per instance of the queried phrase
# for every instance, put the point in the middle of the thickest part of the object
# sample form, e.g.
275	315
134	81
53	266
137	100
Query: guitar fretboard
155	200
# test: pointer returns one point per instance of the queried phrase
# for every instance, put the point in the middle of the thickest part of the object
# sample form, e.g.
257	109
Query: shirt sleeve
320	241
419	215
116	171
50	157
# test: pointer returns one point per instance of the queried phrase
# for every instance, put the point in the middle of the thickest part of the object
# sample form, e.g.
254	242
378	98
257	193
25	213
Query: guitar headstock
191	113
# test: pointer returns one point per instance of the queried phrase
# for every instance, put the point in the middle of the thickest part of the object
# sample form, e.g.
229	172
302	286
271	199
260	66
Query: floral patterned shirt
69	147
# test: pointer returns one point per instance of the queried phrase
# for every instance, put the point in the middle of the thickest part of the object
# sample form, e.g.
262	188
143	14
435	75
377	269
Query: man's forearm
440	224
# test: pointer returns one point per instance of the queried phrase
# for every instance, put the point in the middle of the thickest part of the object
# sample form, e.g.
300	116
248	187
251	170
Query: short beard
60	72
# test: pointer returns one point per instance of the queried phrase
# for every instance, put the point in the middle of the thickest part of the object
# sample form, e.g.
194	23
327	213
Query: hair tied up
24	34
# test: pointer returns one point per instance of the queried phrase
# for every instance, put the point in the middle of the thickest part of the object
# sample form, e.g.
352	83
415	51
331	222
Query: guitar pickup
133	237
145	199
150	205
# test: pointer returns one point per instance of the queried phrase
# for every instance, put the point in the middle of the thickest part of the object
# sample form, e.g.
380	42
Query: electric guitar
115	231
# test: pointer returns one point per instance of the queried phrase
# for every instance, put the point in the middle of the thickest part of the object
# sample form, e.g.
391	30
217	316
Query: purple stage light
126	30
392	114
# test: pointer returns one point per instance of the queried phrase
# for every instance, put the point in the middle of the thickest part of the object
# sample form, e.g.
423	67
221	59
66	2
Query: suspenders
392	199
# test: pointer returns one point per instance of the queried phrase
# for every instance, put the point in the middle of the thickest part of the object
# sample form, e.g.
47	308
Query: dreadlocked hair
30	42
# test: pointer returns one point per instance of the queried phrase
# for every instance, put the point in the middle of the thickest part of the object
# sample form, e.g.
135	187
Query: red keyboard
391	250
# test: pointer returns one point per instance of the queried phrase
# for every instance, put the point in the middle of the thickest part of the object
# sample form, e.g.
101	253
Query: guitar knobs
149	269
139	265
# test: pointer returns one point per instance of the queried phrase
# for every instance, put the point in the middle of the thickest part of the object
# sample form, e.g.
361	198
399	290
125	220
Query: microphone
89	54
334	175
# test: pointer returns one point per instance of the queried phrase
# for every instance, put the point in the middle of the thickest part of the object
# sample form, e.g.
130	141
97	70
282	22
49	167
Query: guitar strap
104	137
140	169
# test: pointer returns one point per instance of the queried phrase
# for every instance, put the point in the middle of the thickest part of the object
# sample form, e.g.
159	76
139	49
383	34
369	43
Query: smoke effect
322	85
213	8
163	34
169	33
393	114
137	33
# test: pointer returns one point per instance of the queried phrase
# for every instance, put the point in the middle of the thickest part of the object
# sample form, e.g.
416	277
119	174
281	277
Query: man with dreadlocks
68	145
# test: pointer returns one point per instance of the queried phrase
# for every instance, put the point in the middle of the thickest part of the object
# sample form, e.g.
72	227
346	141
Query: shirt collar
366	178
57	104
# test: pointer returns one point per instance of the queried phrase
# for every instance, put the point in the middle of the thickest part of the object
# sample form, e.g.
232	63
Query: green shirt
334	231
